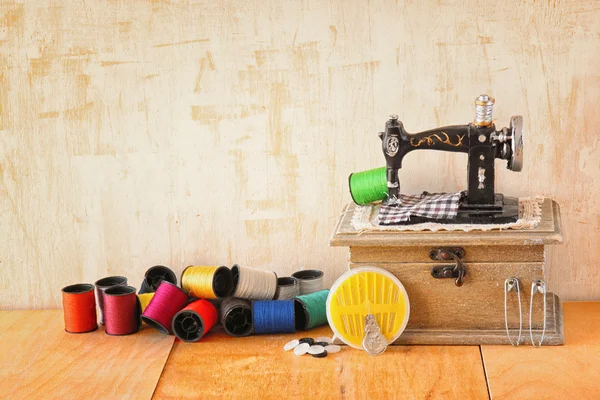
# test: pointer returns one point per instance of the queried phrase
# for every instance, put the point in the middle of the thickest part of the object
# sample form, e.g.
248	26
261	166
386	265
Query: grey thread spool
102	285
236	316
311	280
287	288
253	284
154	276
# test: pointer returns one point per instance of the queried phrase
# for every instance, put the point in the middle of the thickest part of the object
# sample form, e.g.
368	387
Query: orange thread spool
79	306
192	322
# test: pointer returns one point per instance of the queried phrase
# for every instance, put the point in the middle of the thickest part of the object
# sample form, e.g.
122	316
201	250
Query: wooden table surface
257	367
39	360
571	371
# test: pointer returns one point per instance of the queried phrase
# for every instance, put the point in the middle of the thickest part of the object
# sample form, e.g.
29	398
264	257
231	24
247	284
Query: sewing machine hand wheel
516	143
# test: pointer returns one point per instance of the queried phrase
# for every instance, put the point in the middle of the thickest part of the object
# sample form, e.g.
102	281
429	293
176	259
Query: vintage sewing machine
482	142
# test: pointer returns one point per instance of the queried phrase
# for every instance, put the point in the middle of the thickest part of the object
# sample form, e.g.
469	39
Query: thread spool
102	285
311	310
368	186
273	316
167	300
192	322
287	288
144	299
79	308
207	282
310	280
154	276
236	316
484	107
122	311
253	284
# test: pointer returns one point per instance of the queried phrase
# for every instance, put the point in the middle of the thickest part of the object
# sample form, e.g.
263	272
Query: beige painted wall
134	132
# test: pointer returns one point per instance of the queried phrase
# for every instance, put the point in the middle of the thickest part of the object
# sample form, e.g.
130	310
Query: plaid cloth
429	205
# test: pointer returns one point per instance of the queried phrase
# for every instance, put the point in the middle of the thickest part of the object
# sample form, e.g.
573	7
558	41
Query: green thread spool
311	309
368	186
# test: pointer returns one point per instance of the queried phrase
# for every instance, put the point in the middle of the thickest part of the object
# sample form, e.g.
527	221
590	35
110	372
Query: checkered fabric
429	205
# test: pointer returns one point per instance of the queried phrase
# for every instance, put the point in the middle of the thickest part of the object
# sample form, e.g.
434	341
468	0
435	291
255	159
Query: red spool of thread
167	300
102	285
79	306
197	318
121	310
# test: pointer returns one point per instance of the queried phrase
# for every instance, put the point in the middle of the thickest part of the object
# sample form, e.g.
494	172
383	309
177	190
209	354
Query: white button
316	349
333	348
324	339
291	345
301	349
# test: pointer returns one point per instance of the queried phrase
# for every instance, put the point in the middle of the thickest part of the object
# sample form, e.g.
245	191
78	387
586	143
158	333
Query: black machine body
483	144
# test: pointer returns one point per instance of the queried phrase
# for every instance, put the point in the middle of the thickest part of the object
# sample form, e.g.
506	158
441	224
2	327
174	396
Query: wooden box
442	312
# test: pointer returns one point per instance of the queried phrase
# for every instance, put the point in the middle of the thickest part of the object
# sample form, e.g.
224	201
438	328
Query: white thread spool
287	288
253	284
311	280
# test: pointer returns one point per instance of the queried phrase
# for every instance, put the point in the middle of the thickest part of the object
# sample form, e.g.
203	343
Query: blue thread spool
273	316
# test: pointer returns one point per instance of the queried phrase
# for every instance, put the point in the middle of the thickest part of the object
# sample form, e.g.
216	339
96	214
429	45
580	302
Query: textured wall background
135	132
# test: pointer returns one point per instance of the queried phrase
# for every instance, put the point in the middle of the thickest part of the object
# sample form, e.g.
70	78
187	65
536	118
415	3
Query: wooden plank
420	254
571	371
40	360
547	232
257	367
477	304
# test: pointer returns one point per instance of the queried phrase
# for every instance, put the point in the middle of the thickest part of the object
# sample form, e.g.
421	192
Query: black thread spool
154	276
102	285
236	316
310	280
287	288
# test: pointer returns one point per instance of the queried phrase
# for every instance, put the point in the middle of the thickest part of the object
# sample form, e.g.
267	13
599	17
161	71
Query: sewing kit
368	308
471	263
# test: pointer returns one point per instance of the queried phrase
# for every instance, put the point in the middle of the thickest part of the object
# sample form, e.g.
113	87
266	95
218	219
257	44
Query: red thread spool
167	300
197	318
121	310
102	285
79	305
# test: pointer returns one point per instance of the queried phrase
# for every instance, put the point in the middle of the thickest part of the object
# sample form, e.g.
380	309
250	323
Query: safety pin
509	285
537	286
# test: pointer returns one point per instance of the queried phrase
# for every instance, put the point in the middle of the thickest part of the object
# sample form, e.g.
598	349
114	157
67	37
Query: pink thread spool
167	301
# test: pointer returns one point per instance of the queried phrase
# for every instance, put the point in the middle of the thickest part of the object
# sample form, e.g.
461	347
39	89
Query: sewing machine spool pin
483	144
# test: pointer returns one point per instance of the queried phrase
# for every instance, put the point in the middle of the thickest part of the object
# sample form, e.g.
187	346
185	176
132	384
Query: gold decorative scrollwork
430	140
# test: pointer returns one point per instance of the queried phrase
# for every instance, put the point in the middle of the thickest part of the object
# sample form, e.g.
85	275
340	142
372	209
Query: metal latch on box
456	271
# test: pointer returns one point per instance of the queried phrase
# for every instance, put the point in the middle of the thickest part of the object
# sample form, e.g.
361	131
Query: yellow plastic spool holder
363	291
